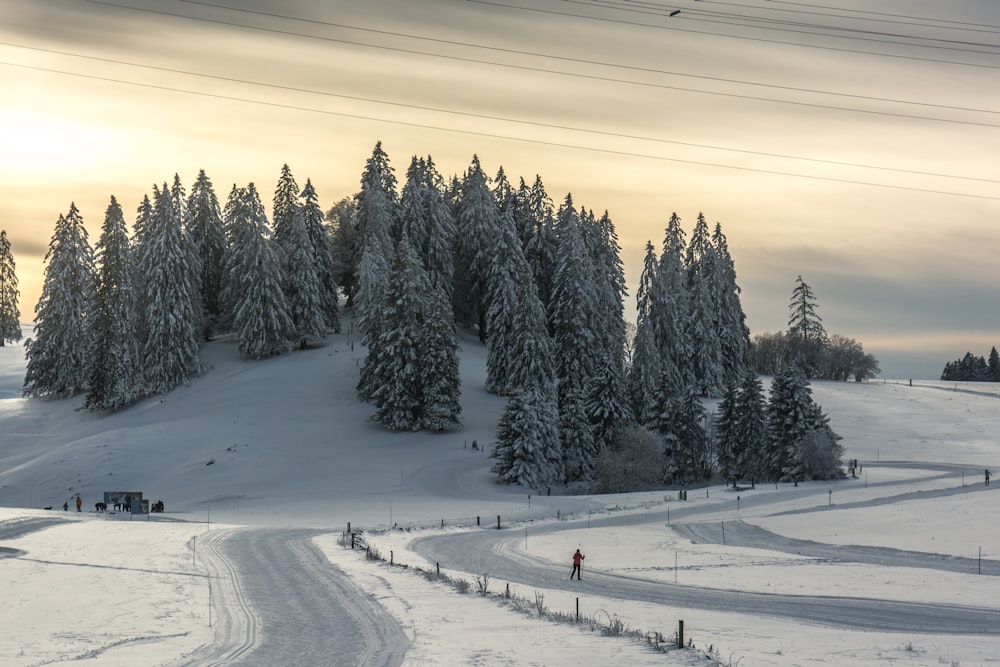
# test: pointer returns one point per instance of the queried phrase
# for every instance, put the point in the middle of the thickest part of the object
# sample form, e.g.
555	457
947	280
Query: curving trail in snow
487	551
498	552
741	534
13	528
281	602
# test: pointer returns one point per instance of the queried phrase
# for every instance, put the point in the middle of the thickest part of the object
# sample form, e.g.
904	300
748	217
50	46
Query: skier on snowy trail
577	562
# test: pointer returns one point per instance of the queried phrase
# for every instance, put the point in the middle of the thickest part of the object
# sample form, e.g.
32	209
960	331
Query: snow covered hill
283	443
260	439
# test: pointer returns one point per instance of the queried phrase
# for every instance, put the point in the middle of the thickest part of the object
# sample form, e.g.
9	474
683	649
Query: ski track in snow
281	602
236	628
498	553
741	534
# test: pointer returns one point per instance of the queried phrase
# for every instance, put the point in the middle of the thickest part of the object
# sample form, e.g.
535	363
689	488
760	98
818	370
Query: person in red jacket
577	562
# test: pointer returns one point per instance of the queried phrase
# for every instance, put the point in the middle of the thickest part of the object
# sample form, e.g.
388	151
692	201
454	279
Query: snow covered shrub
821	454
616	627
633	462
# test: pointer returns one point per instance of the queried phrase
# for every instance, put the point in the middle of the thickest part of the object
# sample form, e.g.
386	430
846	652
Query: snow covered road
282	603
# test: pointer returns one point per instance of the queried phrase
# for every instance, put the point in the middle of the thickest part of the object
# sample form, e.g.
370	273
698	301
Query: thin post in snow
723	532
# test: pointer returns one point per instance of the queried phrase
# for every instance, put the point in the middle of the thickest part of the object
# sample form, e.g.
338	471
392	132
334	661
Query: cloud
70	24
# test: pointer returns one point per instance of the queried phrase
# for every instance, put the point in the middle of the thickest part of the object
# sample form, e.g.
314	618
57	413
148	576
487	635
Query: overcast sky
855	147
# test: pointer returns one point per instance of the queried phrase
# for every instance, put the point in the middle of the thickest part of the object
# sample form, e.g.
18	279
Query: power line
489	135
550	56
945	24
492	117
739	37
748	21
871	13
591	77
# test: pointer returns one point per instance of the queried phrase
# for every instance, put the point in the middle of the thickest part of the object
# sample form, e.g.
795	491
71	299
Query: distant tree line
973	369
806	346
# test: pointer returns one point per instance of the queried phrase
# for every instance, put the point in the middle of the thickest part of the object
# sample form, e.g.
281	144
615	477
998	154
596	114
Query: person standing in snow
577	562
79	503
987	477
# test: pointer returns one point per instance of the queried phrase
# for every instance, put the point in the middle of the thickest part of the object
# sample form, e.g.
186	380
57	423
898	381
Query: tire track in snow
282	602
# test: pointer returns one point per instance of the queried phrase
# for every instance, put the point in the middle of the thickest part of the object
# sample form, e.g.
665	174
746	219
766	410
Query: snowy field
262	465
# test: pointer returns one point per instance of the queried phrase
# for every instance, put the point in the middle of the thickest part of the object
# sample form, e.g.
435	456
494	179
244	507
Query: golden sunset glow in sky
853	143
